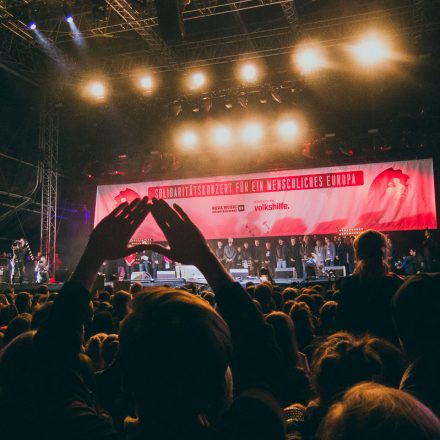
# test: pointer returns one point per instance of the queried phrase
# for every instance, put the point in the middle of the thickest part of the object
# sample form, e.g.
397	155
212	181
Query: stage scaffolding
48	144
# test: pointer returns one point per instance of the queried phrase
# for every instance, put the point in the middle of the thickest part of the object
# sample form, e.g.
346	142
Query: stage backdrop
385	196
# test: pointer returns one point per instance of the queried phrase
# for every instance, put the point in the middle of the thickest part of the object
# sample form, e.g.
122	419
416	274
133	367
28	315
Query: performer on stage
294	257
246	256
18	266
230	254
219	252
42	269
330	252
257	258
281	254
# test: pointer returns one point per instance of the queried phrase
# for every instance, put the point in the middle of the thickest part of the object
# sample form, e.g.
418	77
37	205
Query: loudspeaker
166	275
139	276
239	273
339	271
170	18
285	273
121	285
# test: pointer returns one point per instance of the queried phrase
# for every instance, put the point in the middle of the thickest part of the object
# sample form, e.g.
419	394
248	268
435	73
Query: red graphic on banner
264	185
127	195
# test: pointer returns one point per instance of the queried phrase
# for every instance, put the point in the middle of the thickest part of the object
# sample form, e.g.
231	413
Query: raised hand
109	240
186	243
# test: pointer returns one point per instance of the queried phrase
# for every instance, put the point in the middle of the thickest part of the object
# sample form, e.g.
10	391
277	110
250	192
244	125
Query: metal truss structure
48	144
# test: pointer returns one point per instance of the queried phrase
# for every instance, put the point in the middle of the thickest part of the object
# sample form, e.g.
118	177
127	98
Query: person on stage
269	261
330	252
42	269
428	251
294	257
257	258
230	254
19	250
320	256
281	254
246	256
219	252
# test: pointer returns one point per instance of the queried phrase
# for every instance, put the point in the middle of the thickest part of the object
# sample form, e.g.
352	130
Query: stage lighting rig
276	96
221	136
206	104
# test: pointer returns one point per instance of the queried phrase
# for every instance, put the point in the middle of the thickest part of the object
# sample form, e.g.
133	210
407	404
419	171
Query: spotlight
287	130
221	136
249	73
309	60
96	90
32	25
197	80
372	50
69	18
189	139
252	133
146	83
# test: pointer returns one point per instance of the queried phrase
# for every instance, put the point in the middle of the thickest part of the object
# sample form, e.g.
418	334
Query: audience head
23	302
263	294
175	351
372	411
104	296
327	315
109	349
370	253
121	299
285	337
17	326
302	320
43	289
7	314
40	315
103	323
343	364
416	310
135	288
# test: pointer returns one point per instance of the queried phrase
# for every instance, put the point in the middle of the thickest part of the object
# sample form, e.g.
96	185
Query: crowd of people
355	360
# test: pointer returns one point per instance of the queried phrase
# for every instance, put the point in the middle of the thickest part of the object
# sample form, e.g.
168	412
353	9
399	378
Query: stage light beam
287	130
32	26
146	83
97	90
69	19
372	50
310	60
249	73
197	81
189	140
252	133
221	136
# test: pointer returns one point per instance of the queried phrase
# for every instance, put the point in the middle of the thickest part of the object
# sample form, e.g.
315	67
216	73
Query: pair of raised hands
110	239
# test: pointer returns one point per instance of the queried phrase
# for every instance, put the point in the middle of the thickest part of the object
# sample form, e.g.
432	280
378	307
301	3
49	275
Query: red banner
384	196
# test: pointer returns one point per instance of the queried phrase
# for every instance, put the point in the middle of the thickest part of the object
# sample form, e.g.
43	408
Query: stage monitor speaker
285	273
239	273
139	276
121	285
189	272
339	271
170	18
166	275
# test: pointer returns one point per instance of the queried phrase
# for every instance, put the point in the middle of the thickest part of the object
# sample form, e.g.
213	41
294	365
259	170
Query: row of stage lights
370	51
286	131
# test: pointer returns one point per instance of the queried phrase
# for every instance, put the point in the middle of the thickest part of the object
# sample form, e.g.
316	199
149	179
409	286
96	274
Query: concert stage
177	283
